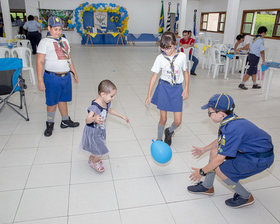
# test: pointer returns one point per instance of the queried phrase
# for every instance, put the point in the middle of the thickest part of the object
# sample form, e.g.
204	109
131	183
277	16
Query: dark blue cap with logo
54	21
221	102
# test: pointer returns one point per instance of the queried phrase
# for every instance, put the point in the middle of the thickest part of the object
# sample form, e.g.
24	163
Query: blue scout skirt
245	165
168	97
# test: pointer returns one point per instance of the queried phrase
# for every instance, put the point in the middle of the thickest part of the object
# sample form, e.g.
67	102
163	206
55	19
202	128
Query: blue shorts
244	165
253	63
168	97
58	89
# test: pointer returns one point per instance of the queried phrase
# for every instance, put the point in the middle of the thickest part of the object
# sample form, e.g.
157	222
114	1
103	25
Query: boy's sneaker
69	123
237	201
49	129
242	86
256	86
168	136
200	189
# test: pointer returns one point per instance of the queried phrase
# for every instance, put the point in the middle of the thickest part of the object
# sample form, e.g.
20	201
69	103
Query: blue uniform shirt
32	26
256	46
240	135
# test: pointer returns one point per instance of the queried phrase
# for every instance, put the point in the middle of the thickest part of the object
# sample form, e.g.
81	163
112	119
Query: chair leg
215	71
209	70
32	76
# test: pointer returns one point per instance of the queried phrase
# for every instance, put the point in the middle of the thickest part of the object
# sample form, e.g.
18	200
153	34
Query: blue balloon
161	152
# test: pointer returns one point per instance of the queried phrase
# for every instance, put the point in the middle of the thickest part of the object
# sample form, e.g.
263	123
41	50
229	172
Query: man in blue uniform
241	150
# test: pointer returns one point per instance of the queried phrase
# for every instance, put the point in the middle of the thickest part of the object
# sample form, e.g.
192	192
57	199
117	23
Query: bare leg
62	106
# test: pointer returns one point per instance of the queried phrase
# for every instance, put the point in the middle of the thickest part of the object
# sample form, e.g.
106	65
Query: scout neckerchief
221	140
173	75
62	46
257	37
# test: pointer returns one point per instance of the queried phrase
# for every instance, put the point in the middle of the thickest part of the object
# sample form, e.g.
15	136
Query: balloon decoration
121	16
161	152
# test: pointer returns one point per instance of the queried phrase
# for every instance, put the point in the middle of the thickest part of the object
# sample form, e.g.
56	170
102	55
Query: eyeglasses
211	112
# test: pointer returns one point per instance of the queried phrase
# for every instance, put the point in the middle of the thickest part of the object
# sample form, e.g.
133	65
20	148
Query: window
213	21
21	14
253	19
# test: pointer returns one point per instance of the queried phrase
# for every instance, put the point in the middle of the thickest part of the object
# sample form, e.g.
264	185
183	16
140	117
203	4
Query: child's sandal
96	166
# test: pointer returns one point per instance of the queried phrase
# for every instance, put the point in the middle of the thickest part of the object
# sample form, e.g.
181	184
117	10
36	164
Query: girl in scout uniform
169	94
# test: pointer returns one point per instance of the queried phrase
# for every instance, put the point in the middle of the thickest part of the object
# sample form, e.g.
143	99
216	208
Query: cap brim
204	107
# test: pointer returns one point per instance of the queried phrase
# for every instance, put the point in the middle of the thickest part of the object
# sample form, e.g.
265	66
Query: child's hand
98	119
197	152
185	94
195	176
147	102
126	119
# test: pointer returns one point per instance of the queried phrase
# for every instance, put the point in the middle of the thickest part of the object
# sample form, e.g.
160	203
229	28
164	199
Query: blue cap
221	102
54	21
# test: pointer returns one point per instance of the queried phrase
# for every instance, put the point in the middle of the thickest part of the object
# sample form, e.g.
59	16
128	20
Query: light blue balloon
161	152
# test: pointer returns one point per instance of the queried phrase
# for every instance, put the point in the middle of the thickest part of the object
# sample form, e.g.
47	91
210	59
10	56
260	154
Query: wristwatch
201	172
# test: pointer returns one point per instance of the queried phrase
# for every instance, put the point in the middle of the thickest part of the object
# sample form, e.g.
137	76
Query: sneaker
237	201
49	129
200	189
242	86
193	73
168	136
256	86
96	166
69	123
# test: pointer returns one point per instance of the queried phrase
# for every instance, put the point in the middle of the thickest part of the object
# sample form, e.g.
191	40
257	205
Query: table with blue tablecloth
103	38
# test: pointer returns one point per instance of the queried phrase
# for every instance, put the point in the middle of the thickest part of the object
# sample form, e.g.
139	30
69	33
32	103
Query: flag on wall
194	23
161	20
168	18
176	19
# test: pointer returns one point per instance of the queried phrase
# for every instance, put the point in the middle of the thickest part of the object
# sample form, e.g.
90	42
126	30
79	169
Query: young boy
187	42
256	50
54	57
241	150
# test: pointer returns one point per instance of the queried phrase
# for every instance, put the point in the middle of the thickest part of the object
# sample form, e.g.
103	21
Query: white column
6	18
183	14
231	21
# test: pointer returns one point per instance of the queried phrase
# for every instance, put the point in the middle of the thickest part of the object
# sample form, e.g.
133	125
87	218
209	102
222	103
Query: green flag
161	20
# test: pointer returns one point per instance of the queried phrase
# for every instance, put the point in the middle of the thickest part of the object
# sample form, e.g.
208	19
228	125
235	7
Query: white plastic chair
189	60
3	40
20	36
25	54
215	60
4	52
24	43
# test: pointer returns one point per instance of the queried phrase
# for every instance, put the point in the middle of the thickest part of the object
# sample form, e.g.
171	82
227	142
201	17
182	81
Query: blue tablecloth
9	45
103	39
266	65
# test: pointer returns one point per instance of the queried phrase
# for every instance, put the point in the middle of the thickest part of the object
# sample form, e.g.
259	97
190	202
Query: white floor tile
56	154
17	157
101	217
138	192
43	203
62	220
92	197
190	211
46	175
124	149
158	214
9	202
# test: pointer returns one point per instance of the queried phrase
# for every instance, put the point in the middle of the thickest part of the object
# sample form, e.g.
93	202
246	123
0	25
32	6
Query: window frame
276	23
219	21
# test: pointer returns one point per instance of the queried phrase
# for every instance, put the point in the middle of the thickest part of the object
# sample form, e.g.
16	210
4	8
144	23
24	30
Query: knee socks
238	188
50	116
160	131
172	127
209	179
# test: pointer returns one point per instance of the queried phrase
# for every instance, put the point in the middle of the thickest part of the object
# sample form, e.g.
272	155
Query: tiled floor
48	181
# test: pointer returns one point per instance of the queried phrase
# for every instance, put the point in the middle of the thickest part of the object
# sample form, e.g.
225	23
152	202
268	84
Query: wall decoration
65	15
86	15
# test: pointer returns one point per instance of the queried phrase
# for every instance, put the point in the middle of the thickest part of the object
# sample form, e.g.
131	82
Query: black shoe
69	123
242	86
49	129
256	86
168	136
193	73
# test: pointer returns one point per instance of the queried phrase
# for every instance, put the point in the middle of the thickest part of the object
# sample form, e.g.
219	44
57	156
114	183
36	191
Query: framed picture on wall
64	15
100	21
